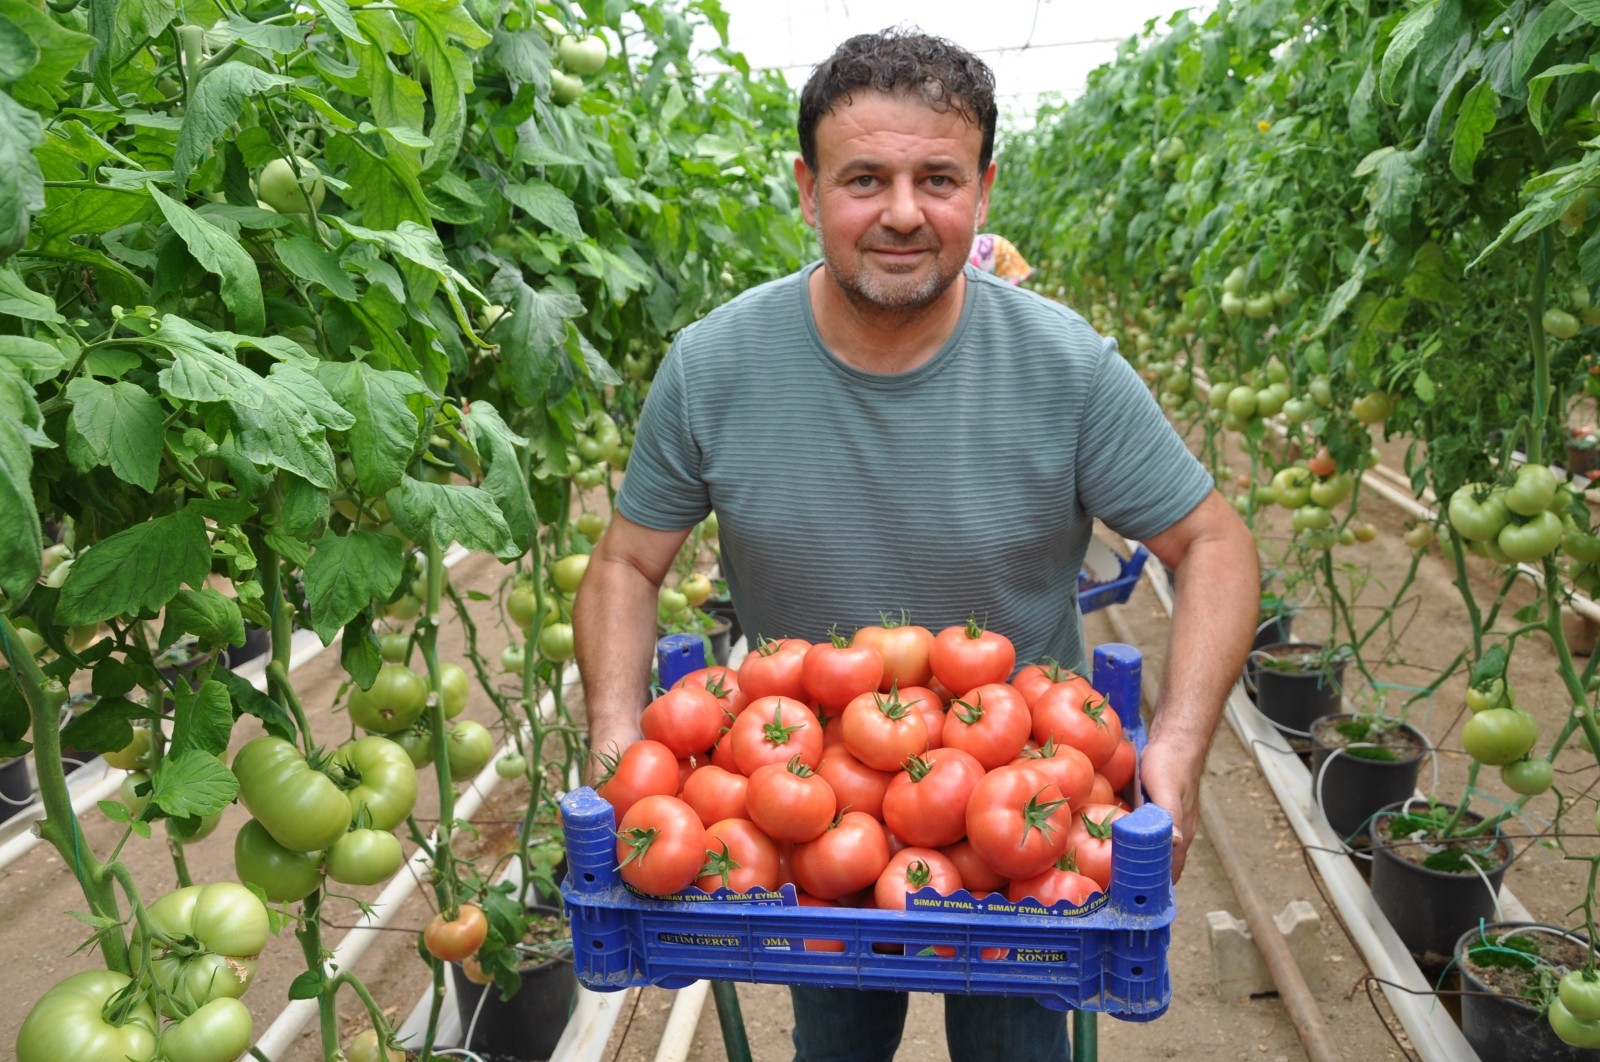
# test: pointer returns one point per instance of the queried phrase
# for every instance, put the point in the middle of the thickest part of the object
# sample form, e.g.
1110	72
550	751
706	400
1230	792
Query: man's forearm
614	623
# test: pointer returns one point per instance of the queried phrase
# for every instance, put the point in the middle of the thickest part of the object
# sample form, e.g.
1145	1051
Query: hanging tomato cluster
851	769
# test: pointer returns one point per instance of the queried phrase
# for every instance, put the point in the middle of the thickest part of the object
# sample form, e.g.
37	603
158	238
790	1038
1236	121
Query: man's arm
614	628
1213	556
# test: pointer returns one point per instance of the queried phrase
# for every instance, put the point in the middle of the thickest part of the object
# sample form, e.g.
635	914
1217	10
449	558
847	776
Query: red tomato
645	768
913	869
722	754
835	672
661	845
1089	840
686	719
1118	770
772	669
1068	768
966	656
739	857
904	648
790	802
882	730
856	786
1092	726
846	857
723	682
1053	885
925	804
774	730
933	721
716	793
1018	820
1101	792
977	877
1035	679
992	722
819	945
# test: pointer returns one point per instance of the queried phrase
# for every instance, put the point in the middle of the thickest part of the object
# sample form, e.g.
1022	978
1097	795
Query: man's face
896	199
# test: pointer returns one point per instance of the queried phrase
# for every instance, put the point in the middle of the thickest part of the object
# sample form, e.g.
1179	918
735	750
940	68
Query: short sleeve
1135	474
663	488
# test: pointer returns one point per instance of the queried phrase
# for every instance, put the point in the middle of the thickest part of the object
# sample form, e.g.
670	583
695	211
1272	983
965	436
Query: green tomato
591	525
299	806
696	589
132	799
565	89
670	600
1259	305
1581	546
511	765
417	740
1560	324
385	780
522	605
511	659
1529	777
365	857
1418	536
203	826
1320	538
567	572
589	449
405	607
1579	992
278	188
1486	695
1321	391
1571	1029
1477	513
204	944
394	645
218	1031
283	875
556	643
468	747
1291	486
1270	400
68	1022
1531	539
1498	736
1242	401
1311	518
1333	490
394	702
1233	283
365	1045
133	756
1372	407
1533	490
454	686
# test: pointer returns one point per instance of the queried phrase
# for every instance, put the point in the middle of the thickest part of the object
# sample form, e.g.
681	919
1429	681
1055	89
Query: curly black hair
945	75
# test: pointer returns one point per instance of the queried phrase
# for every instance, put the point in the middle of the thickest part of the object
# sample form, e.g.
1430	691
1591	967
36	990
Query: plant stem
309	934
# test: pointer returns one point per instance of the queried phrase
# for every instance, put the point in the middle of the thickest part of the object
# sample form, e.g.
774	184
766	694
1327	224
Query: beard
893	291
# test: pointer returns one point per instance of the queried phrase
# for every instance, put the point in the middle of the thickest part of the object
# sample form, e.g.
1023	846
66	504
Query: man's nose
902	212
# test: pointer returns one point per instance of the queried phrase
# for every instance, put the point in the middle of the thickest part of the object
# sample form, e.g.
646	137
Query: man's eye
864	181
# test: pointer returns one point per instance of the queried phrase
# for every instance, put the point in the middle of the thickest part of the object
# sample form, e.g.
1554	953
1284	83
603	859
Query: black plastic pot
1430	909
524	1028
1276	620
722	607
1352	787
257	640
1294	697
1503	1028
16	788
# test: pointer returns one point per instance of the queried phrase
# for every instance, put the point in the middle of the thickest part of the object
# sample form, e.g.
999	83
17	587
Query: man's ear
985	183
806	181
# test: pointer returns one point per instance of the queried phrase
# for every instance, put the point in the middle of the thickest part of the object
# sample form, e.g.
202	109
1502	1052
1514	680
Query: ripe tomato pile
863	770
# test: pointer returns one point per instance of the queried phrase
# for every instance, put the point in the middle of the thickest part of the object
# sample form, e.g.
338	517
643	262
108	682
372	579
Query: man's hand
1171	778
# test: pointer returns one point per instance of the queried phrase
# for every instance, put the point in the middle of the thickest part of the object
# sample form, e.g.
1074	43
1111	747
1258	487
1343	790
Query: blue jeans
851	1025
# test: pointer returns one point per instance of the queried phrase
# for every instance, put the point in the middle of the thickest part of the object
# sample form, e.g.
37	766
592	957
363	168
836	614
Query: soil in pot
526	1027
1508	972
1296	683
1360	763
1433	890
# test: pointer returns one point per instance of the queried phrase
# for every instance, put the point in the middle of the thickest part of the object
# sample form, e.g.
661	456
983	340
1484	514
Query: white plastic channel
294	1017
97	780
1434	1034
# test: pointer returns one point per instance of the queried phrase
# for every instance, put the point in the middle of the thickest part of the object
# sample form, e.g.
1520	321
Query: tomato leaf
118	425
548	205
250	701
15	717
136	571
105	726
1474	122
35	360
308	985
533	339
20	541
217	103
204	719
21	181
444	513
223	255
207	613
359	651
503	477
344	575
192	783
19	300
387	428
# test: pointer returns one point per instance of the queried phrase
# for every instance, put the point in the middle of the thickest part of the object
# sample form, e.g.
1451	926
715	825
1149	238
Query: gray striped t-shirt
963	487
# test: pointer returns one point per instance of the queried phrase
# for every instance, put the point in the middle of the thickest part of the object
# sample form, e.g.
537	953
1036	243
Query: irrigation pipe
1433	1033
1293	991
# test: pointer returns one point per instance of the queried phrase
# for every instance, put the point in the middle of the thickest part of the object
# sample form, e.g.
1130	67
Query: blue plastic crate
1097	590
1111	958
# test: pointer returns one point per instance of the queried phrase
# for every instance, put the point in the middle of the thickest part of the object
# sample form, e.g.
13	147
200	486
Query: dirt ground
37	893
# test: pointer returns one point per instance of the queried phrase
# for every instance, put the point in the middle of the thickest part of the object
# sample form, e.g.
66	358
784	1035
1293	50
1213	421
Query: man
891	429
